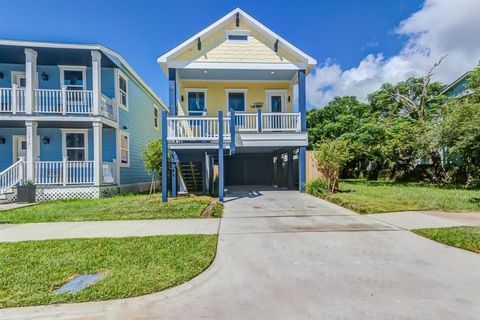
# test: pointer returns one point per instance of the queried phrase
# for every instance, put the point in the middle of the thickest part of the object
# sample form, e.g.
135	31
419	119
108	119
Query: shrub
331	156
317	187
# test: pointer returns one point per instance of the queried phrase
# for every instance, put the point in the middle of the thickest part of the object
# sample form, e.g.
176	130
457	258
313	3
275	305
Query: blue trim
164	157
220	157
302	173
174	161
290	170
212	179
302	101
232	131
259	119
204	176
172	91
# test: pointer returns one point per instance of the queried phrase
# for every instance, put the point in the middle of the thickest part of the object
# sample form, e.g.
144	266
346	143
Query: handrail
12	175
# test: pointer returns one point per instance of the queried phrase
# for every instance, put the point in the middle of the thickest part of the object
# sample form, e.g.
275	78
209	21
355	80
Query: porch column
96	81
164	157
221	188
290	170
279	170
172	91
97	154
30	79
31	133
302	108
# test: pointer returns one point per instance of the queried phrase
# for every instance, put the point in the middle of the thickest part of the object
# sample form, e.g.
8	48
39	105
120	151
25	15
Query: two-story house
232	106
74	119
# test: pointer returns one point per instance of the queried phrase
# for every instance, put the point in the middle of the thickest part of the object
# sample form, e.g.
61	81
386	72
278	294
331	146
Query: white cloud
440	27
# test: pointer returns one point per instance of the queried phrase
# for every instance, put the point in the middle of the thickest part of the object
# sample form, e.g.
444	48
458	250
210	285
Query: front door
20	148
276	101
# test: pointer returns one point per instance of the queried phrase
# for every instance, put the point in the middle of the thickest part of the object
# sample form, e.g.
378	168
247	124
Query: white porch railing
63	172
12	176
246	122
196	128
63	101
281	121
109	172
12	100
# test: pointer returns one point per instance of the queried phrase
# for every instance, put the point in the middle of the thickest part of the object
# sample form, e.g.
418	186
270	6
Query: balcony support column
221	188
31	135
97	154
96	81
30	79
290	170
164	157
302	108
172	91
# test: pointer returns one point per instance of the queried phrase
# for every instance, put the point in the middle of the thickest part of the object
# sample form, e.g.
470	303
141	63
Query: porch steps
192	175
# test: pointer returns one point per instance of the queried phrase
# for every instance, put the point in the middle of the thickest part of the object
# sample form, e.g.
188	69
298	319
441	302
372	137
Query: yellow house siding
217	95
215	48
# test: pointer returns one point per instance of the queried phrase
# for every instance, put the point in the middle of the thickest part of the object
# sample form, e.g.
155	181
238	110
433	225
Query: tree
330	157
152	159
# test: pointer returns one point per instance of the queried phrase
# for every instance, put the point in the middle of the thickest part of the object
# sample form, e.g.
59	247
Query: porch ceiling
52	56
235	74
49	124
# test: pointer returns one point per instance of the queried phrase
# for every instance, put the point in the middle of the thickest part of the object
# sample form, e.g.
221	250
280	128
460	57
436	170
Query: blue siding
457	89
6	150
139	123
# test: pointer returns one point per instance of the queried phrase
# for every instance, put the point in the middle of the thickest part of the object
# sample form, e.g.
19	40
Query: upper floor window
122	91
156	121
237	35
73	77
236	99
196	101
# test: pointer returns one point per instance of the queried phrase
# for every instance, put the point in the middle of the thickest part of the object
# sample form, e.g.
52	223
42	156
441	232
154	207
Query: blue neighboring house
74	119
458	87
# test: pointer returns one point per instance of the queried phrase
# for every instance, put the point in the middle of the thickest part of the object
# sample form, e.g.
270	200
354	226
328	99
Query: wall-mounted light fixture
46	140
125	128
199	44
2	140
44	76
181	98
275	46
1	75
288	98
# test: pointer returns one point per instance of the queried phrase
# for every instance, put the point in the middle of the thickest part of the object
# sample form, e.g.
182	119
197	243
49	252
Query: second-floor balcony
207	129
55	102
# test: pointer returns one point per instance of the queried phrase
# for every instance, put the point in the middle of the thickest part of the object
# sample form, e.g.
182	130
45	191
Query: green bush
317	187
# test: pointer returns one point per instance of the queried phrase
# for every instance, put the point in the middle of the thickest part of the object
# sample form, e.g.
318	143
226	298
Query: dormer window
237	35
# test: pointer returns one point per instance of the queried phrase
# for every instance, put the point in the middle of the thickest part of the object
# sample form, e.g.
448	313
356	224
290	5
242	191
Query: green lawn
376	197
30	271
123	207
467	238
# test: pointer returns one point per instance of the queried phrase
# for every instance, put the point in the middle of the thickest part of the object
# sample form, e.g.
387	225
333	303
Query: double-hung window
122	90
156	120
196	101
236	99
74	78
75	145
124	149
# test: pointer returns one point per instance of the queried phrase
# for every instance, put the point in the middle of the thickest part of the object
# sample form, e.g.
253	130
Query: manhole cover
79	282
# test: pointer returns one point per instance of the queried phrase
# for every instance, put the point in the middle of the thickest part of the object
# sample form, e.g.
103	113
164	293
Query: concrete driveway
285	255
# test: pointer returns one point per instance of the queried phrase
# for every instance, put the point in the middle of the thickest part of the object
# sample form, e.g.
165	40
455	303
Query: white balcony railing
196	128
109	170
12	100
108	108
281	121
63	101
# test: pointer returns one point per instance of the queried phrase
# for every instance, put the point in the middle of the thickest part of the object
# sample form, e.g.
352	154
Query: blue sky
343	33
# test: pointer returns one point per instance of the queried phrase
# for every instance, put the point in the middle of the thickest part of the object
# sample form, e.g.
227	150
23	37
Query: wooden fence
312	170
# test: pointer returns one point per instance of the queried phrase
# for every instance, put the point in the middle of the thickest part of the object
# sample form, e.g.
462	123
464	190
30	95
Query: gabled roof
115	57
454	83
219	24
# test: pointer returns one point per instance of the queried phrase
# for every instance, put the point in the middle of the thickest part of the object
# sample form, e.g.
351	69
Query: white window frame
237	33
64	141
188	90
122	134
117	89
15	75
236	90
83	69
156	123
276	92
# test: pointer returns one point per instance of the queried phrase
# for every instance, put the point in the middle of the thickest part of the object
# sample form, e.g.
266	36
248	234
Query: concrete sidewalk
411	220
102	229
